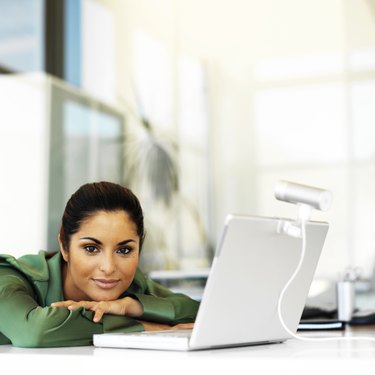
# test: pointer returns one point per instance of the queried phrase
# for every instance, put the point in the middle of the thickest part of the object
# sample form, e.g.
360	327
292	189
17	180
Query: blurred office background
199	106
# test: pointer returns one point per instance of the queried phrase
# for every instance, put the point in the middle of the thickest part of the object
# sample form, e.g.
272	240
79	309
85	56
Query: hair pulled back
99	196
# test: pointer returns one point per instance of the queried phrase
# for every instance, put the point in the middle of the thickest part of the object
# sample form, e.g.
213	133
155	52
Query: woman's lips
106	283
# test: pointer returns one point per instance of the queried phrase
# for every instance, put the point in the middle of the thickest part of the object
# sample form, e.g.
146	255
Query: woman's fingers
151	326
183	326
98	315
100	308
72	305
62	303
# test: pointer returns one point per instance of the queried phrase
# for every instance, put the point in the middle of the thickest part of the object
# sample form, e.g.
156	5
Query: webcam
296	193
307	198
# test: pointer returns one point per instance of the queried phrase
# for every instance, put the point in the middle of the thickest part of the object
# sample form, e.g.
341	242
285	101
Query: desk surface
293	357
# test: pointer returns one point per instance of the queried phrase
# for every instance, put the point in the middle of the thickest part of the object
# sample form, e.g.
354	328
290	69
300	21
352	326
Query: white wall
291	91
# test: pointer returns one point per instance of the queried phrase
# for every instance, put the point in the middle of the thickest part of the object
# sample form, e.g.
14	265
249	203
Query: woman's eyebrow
91	239
125	242
100	243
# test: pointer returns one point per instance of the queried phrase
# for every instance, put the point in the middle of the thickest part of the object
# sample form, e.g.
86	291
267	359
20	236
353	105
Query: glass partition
53	138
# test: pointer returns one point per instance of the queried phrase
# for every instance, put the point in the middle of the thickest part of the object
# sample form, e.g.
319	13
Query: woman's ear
64	253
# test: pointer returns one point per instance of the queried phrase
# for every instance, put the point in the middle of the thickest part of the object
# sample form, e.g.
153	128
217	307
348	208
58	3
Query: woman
93	284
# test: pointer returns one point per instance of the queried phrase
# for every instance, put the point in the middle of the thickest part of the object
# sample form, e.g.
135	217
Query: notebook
252	264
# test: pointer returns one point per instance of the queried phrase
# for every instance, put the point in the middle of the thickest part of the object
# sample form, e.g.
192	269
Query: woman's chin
98	297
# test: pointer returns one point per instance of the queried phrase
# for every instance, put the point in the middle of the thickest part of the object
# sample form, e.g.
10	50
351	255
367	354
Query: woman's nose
107	264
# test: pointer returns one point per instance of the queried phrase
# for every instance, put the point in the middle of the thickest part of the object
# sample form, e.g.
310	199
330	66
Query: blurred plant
152	170
150	156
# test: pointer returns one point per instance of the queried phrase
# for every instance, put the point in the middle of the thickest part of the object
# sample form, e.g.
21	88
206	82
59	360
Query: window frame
53	39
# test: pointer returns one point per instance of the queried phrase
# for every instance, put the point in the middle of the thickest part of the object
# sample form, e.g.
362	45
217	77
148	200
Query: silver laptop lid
252	264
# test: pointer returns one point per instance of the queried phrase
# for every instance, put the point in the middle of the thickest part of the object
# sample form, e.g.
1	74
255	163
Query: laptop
239	306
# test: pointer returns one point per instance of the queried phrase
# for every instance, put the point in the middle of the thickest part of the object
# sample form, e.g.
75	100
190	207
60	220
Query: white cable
303	236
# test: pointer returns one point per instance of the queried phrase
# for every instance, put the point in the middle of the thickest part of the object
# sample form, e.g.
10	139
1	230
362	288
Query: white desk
292	357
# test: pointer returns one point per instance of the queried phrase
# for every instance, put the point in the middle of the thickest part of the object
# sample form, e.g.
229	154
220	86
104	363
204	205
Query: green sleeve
24	323
163	306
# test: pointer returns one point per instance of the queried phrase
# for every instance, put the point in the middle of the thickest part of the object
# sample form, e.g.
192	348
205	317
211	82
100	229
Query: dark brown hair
99	196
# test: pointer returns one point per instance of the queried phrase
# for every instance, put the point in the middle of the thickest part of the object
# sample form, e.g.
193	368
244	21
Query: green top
29	284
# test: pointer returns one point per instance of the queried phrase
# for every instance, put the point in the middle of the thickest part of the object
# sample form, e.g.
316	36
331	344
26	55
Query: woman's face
102	257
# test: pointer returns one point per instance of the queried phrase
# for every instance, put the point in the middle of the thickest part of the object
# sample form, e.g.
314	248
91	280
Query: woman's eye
90	249
124	251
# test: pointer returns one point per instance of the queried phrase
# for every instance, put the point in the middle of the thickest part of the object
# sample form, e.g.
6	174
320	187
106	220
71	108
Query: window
60	37
321	132
22	35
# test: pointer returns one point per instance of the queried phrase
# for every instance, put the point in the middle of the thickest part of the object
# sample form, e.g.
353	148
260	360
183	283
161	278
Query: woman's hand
151	326
124	306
